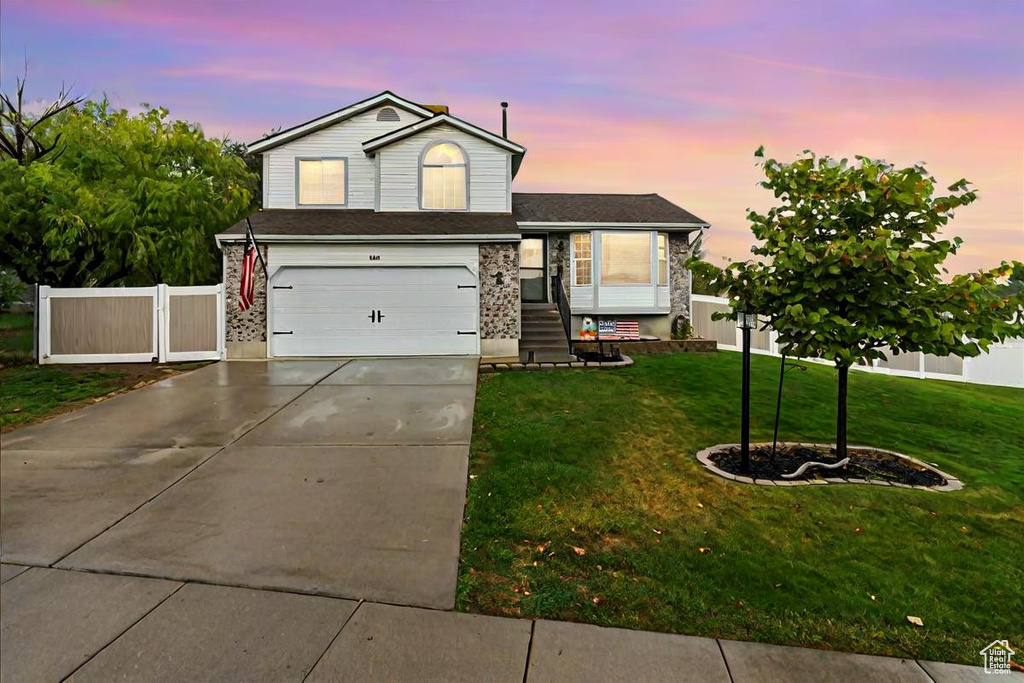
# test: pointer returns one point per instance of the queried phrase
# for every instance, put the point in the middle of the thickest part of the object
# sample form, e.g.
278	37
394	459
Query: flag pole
259	254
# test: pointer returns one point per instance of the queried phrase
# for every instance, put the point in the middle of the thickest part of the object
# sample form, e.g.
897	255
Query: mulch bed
864	464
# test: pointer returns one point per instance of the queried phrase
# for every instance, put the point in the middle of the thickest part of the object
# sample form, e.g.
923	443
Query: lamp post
746	322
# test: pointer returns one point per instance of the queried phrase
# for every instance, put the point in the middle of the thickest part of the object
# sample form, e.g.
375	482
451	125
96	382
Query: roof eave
319	123
372	145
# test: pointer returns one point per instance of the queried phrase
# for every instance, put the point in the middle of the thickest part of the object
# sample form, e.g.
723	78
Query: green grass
29	393
604	461
15	338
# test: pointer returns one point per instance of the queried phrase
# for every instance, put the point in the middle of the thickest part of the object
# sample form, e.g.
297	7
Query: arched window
444	180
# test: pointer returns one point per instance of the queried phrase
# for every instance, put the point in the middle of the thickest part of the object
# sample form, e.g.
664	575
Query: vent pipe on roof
504	120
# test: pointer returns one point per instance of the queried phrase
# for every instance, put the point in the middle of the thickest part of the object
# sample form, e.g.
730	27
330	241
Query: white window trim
298	204
423	154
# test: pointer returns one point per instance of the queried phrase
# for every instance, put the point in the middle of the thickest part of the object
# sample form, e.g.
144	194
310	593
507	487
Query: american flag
247	287
627	329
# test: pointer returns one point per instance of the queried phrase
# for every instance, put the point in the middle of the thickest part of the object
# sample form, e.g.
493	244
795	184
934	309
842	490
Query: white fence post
222	345
163	323
43	316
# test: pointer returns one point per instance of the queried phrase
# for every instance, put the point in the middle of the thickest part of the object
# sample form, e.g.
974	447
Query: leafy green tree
850	268
133	199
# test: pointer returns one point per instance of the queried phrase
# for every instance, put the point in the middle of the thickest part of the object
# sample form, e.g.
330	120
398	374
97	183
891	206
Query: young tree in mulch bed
849	268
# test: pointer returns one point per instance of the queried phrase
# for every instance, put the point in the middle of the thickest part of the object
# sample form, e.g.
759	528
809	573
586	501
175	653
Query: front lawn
586	504
30	393
15	338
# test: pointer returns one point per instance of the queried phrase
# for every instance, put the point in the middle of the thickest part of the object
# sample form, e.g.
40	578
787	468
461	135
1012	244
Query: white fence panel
98	325
192	323
1003	365
130	324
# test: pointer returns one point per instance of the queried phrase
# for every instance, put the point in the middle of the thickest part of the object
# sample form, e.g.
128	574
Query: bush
11	289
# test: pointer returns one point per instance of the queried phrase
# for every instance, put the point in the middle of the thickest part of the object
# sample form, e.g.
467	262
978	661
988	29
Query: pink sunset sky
666	97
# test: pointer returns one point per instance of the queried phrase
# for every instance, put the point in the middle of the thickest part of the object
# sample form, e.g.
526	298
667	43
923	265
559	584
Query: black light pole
745	322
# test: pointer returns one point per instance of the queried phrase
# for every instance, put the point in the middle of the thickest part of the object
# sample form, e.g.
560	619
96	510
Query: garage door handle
282	286
288	332
465	286
461	332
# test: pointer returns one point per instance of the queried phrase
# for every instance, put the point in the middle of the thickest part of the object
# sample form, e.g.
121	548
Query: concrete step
540	335
544	345
544	327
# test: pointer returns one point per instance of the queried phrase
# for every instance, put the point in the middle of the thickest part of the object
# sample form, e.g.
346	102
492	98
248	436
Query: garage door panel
328	311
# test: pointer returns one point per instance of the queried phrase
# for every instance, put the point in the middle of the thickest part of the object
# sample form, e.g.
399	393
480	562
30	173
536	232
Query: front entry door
533	285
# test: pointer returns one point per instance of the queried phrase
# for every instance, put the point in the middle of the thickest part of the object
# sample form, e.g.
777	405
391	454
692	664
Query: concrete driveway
337	478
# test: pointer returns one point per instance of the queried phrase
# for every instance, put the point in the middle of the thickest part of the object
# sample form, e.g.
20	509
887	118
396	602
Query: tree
21	134
851	268
133	199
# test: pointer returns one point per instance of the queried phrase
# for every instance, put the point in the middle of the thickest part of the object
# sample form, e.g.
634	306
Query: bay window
619	272
321	182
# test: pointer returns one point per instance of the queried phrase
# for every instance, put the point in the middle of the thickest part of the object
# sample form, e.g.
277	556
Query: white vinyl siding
400	172
344	139
628	268
321	182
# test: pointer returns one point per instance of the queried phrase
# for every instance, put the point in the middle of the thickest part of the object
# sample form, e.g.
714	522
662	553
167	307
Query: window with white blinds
322	182
626	258
444	177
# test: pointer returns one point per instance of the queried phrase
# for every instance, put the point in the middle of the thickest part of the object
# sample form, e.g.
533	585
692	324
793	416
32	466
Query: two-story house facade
390	228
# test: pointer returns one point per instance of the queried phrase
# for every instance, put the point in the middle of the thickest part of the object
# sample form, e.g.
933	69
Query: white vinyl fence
130	324
1003	365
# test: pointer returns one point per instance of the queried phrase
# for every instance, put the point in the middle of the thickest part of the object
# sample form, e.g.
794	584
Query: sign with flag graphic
247	286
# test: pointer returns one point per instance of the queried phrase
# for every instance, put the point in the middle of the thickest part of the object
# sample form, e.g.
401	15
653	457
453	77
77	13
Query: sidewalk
105	627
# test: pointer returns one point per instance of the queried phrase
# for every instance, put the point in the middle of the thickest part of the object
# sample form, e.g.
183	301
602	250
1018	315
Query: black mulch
864	464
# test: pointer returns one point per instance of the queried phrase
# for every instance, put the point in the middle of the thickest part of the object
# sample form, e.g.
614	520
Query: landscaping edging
655	346
506	367
704	457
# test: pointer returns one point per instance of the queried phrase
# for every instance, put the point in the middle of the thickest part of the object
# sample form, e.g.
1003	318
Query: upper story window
444	181
322	182
387	114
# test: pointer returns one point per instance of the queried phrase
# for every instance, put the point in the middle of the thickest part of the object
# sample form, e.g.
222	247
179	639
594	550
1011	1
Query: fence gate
130	324
192	323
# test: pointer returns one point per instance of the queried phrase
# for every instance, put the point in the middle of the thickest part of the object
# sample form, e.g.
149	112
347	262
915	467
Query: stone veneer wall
558	254
679	274
499	291
251	325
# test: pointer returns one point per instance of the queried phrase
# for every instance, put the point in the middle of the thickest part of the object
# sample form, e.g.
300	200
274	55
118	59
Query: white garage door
363	311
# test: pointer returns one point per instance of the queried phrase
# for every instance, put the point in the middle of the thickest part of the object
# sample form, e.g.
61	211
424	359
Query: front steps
542	335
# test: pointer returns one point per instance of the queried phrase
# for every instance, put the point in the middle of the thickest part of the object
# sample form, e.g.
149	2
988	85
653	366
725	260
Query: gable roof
289	134
416	127
325	224
545	207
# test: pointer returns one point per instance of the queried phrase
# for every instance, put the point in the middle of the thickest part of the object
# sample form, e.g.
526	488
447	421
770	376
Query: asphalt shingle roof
542	207
369	222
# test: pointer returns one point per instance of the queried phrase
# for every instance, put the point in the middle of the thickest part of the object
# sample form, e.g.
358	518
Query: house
390	228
